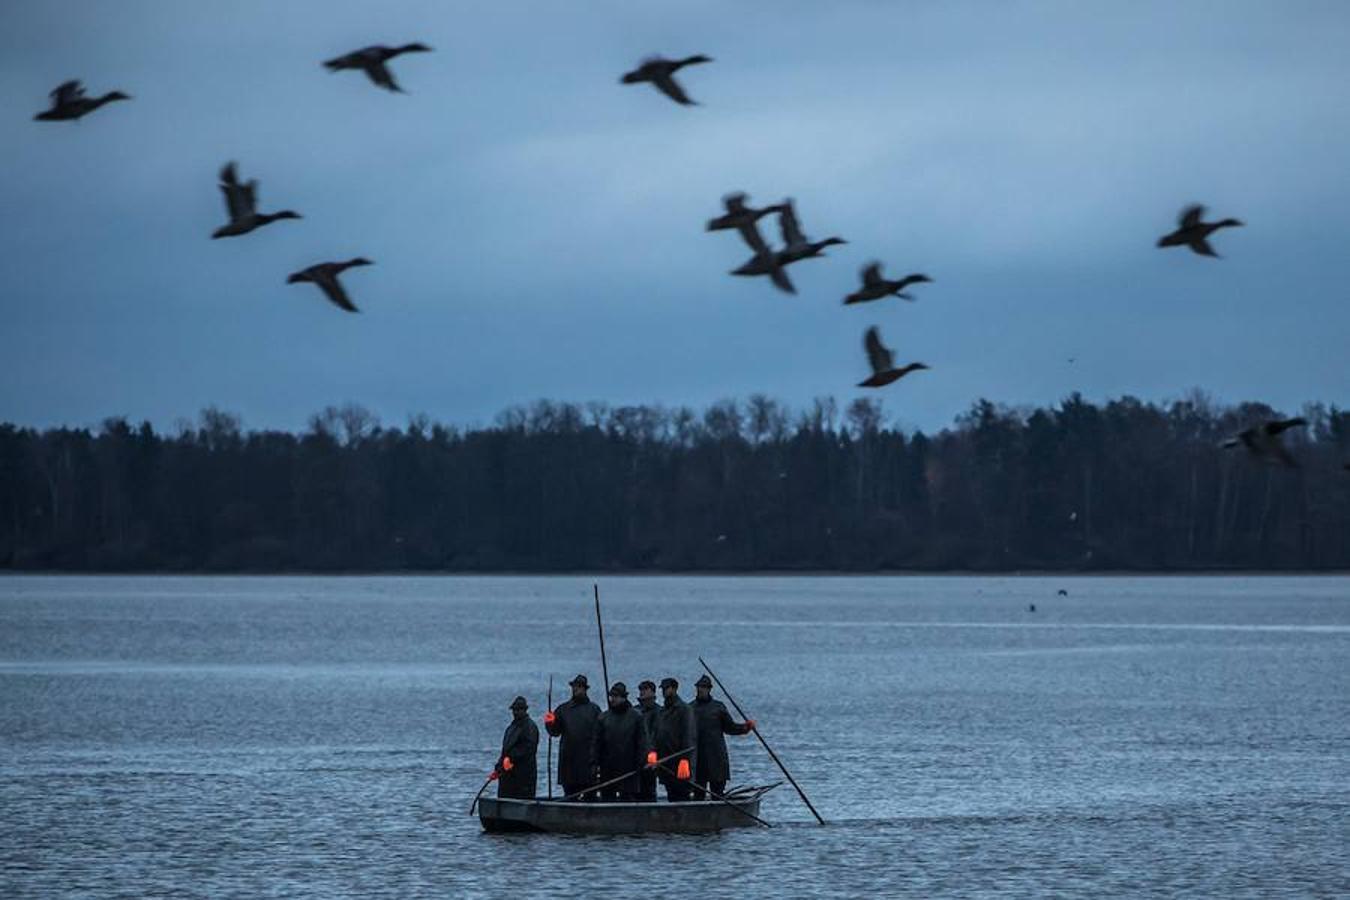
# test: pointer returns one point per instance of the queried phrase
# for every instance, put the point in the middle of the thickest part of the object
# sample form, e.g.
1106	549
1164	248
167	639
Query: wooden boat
500	814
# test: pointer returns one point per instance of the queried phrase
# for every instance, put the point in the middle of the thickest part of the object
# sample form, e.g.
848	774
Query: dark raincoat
713	722
521	743
620	746
650	711
675	731
574	722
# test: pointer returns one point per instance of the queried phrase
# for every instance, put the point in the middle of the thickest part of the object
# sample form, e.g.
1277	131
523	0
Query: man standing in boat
647	706
675	731
620	747
574	722
713	769
516	770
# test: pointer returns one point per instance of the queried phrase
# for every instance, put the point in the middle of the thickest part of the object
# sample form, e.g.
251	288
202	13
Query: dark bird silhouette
241	201
738	215
1193	233
1263	440
765	261
883	362
1031	607
371	60
874	287
325	275
796	247
70	102
660	72
1062	593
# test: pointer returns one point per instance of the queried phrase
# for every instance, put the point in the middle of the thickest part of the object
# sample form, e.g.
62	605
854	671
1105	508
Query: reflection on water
325	736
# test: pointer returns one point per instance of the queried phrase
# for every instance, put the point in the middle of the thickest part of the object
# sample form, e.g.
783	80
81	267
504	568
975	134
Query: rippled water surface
324	736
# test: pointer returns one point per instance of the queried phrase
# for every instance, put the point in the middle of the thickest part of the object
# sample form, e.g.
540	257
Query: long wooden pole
604	666
480	792
550	739
782	768
603	785
716	796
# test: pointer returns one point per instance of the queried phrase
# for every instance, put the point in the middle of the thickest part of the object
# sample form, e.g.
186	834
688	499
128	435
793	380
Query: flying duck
660	72
883	362
765	261
372	59
1263	440
874	287
241	201
1193	233
325	275
795	245
69	102
738	215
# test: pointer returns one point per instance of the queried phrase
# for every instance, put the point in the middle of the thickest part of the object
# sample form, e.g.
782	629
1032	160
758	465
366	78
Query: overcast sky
537	228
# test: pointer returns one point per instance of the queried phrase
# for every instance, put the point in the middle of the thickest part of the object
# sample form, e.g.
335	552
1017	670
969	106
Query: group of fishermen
621	753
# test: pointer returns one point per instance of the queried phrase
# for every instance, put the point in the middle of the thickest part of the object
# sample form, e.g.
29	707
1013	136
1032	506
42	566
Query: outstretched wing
332	289
1202	247
734	203
871	275
67	92
379	73
238	198
1191	216
749	232
787	222
667	85
881	359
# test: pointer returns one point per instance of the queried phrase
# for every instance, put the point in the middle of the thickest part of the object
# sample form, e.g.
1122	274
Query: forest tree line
739	486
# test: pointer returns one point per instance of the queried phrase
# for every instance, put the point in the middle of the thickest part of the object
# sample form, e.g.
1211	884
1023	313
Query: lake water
324	736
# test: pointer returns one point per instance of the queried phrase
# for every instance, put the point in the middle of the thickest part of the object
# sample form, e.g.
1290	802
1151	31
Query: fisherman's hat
580	680
519	703
703	681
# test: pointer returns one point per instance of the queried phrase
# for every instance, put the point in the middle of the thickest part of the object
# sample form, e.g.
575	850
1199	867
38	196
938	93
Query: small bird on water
325	275
1263	440
660	73
874	287
882	360
241	200
69	102
1193	233
372	59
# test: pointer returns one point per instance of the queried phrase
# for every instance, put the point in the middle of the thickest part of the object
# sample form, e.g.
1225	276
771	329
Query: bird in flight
69	102
325	275
874	287
241	200
738	214
795	246
882	360
660	73
1263	440
372	59
1193	233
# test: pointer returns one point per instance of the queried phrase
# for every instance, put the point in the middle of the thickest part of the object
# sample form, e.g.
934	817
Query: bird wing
881	359
787	223
871	275
734	203
345	61
1191	216
236	199
779	276
750	234
332	288
67	92
1202	247
379	73
667	85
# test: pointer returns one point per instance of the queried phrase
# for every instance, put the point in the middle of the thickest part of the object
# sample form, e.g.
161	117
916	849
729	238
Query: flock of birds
69	102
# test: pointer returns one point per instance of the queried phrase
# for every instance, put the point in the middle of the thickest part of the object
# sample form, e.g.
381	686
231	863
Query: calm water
317	736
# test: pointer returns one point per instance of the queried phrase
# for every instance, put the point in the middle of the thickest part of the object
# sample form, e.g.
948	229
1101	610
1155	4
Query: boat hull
499	814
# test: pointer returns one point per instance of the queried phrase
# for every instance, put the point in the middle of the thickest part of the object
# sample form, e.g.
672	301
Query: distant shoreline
702	573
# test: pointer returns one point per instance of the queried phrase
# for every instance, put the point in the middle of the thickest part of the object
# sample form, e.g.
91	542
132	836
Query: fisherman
574	722
517	773
620	747
675	732
647	706
713	770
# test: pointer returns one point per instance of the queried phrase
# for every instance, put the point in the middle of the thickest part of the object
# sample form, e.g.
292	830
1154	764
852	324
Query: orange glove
493	776
507	765
550	718
651	757
749	725
682	770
